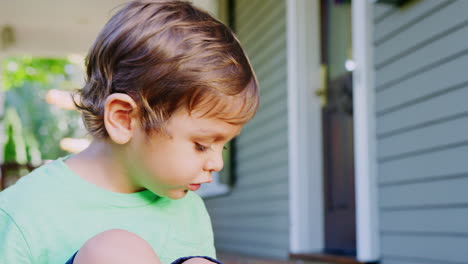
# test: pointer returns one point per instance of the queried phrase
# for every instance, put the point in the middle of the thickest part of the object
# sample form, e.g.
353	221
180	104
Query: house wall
58	28
254	218
421	85
54	28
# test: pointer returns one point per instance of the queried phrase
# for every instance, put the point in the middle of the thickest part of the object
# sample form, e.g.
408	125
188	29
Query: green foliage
45	71
14	149
27	81
33	153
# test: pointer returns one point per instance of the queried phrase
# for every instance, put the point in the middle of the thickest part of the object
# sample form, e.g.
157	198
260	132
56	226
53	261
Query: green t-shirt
49	214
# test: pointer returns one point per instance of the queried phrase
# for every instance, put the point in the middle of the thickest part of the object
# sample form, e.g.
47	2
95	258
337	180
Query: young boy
167	86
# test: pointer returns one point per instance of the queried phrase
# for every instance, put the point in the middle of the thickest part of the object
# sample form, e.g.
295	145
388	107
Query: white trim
364	131
304	127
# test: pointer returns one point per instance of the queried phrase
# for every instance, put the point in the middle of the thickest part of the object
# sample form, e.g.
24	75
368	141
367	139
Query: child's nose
214	163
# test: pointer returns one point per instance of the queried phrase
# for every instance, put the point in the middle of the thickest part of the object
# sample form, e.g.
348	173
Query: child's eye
200	147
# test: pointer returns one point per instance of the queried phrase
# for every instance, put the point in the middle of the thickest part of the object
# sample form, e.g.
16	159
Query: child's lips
194	187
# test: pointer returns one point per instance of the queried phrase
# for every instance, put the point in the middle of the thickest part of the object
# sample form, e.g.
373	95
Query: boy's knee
116	246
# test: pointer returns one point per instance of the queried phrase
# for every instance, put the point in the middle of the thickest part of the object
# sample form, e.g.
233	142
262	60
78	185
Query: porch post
367	232
304	127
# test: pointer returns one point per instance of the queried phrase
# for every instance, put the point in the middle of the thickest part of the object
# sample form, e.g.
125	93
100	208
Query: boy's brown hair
167	55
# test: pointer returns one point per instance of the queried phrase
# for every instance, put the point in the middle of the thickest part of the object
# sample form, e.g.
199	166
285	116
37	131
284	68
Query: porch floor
229	258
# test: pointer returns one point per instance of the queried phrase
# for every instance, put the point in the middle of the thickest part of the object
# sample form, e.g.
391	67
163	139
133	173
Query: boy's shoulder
33	190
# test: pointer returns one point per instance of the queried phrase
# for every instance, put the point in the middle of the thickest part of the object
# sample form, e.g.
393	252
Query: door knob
322	92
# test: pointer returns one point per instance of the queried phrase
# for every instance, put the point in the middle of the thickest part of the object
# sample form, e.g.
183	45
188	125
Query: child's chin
177	195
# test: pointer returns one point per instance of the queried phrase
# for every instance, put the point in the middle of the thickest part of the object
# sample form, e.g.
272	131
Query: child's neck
99	165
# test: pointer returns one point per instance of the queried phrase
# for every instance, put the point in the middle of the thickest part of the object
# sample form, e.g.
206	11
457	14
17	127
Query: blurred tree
14	149
15	157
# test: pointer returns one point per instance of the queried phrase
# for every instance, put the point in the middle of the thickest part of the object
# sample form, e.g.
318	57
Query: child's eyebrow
213	134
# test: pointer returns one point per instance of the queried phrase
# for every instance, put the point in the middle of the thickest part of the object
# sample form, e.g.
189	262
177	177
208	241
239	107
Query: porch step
326	258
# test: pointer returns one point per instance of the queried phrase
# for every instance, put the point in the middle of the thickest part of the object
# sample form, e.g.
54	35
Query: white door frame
305	130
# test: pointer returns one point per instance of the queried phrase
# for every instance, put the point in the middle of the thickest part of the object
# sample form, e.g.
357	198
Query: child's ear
120	117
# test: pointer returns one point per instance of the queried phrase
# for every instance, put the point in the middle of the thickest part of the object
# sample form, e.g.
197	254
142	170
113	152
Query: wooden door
337	121
338	138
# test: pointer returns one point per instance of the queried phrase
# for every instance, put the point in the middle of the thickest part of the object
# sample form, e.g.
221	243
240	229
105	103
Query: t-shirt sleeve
13	246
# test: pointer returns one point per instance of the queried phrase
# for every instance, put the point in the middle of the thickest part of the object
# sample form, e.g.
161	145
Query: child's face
170	165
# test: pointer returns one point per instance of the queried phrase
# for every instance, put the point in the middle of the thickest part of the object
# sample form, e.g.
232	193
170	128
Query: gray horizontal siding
264	175
269	223
381	12
400	20
433	194
421	86
426	29
267	208
254	218
435	58
449	163
420	141
441	249
429	221
443	108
